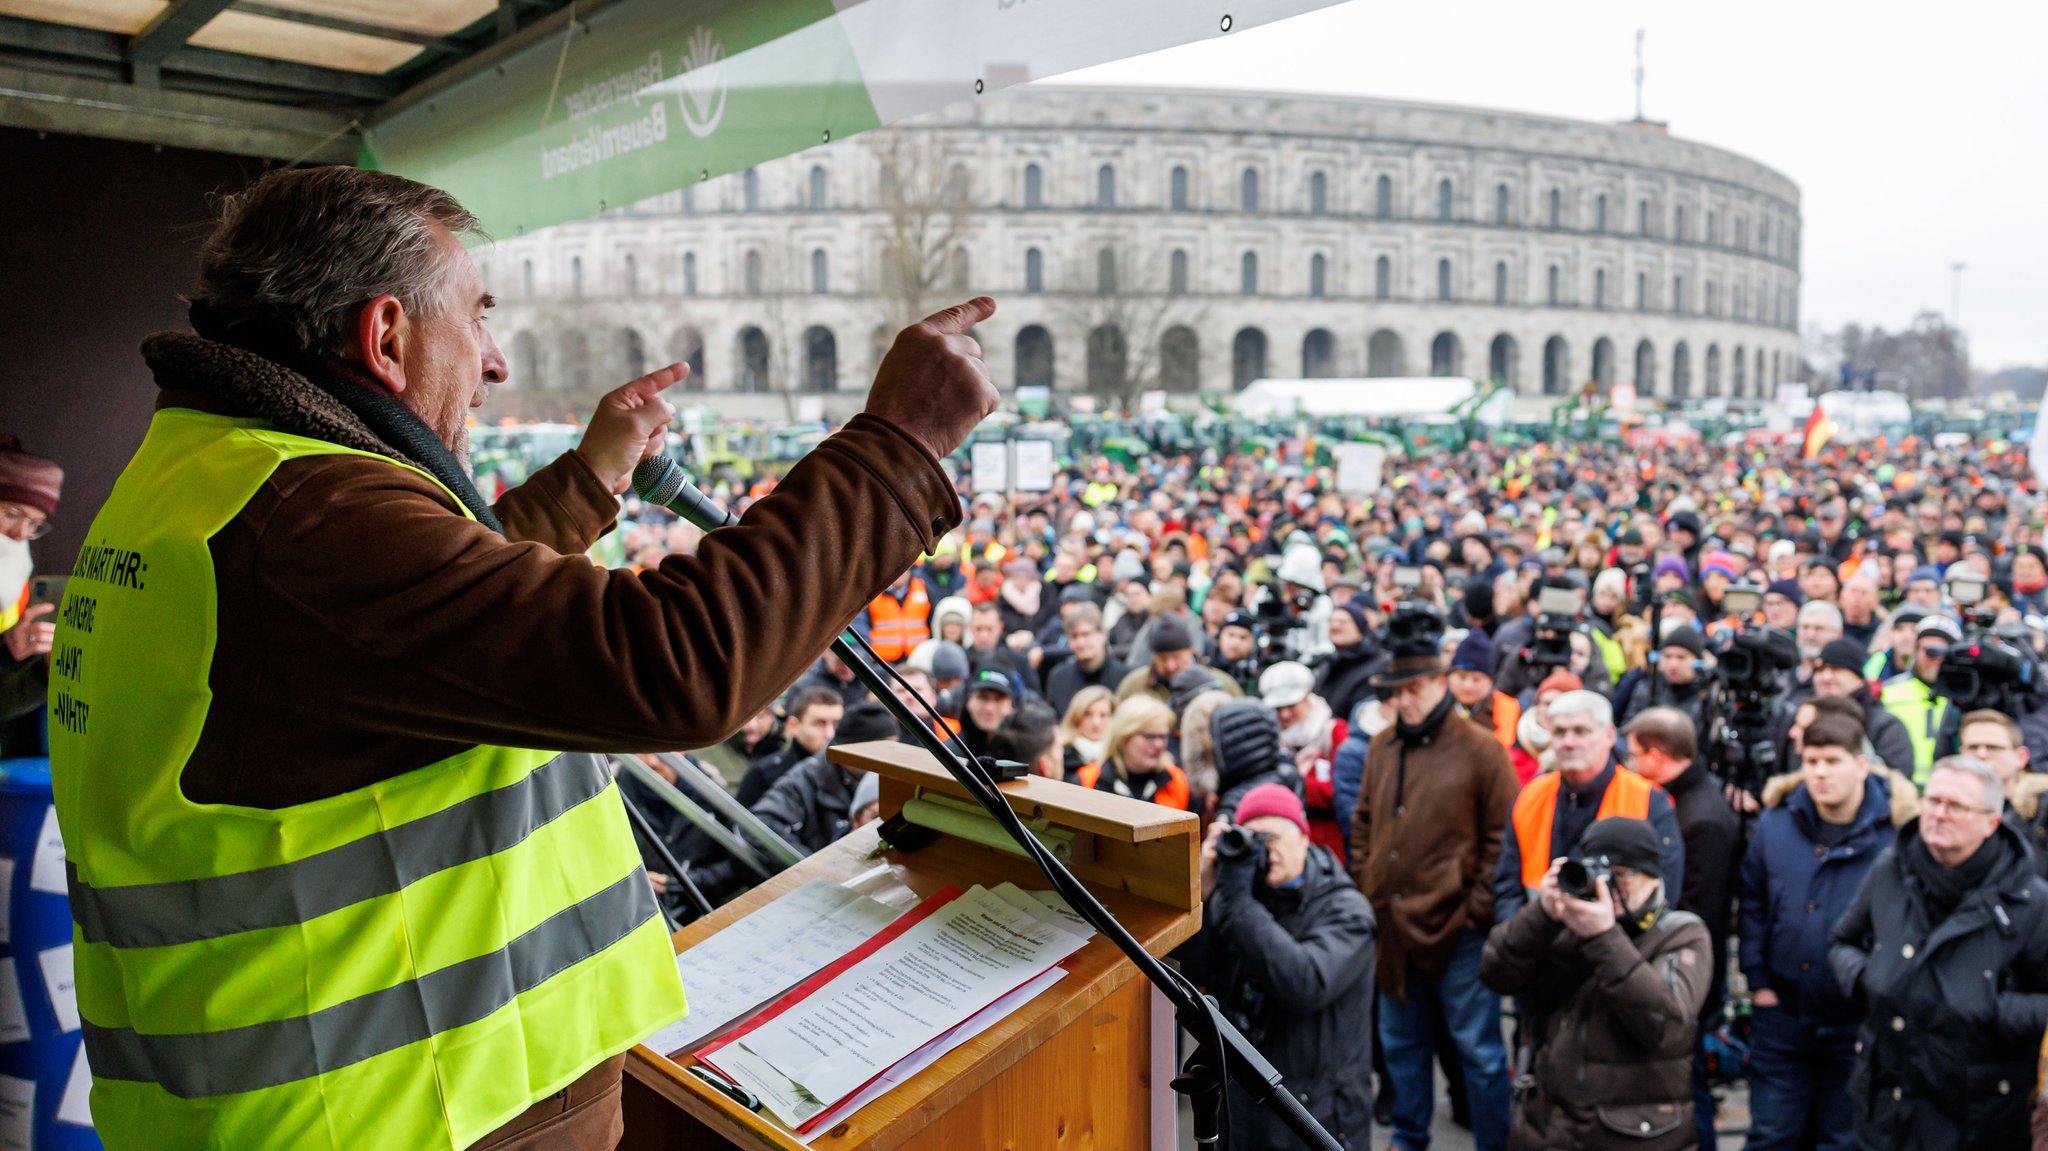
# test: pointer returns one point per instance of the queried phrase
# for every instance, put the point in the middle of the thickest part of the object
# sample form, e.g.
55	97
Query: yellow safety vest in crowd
410	964
1922	712
1612	655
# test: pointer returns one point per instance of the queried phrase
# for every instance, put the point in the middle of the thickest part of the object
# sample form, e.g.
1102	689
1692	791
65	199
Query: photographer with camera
1542	641
1613	977
1679	663
1557	808
1287	949
1237	649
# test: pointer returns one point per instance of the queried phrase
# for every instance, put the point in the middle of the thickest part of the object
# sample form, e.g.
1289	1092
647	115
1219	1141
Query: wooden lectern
1079	1066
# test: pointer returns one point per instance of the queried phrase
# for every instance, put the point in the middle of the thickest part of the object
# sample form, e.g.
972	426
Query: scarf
1309	737
1944	888
348	385
1025	602
1416	733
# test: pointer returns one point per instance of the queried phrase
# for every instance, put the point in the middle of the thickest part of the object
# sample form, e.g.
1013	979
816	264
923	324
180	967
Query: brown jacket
1425	840
1618	1020
366	628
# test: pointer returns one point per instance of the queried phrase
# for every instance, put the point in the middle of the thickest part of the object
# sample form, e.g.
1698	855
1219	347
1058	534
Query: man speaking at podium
335	885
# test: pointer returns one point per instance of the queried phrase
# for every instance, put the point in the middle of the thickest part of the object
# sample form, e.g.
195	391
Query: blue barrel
44	1084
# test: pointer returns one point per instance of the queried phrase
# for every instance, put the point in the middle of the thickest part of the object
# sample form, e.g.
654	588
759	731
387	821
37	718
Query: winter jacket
1425	837
1067	678
1344	679
1689	698
1955	1009
1347	773
1887	736
812	805
1574	813
763	773
2028	815
1245	740
1293	969
1613	1064
1713	845
1793	894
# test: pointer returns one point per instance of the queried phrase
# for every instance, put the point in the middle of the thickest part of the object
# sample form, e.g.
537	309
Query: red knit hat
1271	799
1560	680
28	480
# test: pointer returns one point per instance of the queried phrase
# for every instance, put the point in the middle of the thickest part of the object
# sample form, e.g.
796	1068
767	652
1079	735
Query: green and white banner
645	96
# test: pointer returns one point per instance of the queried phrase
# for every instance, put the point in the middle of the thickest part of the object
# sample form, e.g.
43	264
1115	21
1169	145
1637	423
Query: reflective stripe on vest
1627	796
1174	793
410	964
1921	712
895	628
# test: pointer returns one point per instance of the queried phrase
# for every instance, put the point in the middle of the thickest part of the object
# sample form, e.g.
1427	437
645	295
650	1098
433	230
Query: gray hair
1590	704
1987	777
1821	607
301	251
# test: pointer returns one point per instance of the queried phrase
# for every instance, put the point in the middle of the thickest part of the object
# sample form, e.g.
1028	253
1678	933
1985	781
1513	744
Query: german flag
1819	430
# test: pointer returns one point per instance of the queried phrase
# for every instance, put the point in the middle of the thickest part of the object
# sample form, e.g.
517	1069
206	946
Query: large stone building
1183	240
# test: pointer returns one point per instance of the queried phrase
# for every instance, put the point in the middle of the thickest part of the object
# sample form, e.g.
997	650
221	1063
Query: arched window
526	361
1248	274
1504	360
1550	286
1383	354
1180	360
1642	217
820	272
1500	282
751	270
1178	193
1382	278
1681	371
576	361
750	189
1599	287
1445	356
1600	213
1556	366
689	273
1383	197
753	360
1248	190
817	187
687	346
1556	208
1763	234
1738	370
1500	204
632	354
1443	279
1248	357
1108	361
1034	186
1713	369
1678	223
1318	355
1177	272
1603	363
1318	272
821	360
1034	357
1678	295
1105	271
1646	369
1105	187
1713	298
1443	200
575	275
1318	193
1713	227
1642	291
629	279
1034	270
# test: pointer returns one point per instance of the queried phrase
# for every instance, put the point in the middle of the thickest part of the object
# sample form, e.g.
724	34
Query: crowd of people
1510	815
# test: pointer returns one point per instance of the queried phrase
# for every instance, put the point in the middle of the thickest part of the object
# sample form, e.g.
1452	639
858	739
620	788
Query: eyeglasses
1948	808
14	517
1154	736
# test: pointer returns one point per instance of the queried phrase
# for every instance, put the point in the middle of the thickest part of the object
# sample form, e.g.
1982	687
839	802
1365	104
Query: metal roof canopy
290	80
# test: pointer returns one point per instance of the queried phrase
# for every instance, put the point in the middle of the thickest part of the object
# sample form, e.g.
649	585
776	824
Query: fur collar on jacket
1905	798
242	382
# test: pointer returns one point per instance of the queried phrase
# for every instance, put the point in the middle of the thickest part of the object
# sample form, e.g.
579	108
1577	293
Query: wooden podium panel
1070	1069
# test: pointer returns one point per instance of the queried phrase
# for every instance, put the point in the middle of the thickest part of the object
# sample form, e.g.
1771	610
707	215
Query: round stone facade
1182	240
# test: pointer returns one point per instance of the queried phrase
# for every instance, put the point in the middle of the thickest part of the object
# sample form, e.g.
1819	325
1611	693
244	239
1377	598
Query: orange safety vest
1627	797
894	628
1174	793
1506	714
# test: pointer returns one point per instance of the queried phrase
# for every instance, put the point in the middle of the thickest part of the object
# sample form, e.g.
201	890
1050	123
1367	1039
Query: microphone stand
1221	1052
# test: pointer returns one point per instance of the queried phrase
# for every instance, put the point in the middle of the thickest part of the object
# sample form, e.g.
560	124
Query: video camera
1413	618
1557	616
1749	673
1984	669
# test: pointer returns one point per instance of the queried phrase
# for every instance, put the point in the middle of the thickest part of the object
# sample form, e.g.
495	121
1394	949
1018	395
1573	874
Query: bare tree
1929	358
1126	304
927	208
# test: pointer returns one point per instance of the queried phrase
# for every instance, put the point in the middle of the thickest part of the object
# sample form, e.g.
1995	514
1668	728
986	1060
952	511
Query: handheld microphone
660	480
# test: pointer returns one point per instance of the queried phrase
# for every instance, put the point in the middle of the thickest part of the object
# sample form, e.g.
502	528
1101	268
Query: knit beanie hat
31	481
1271	799
1475	653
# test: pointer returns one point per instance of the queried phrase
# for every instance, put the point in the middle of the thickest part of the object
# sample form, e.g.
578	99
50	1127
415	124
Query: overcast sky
1918	134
